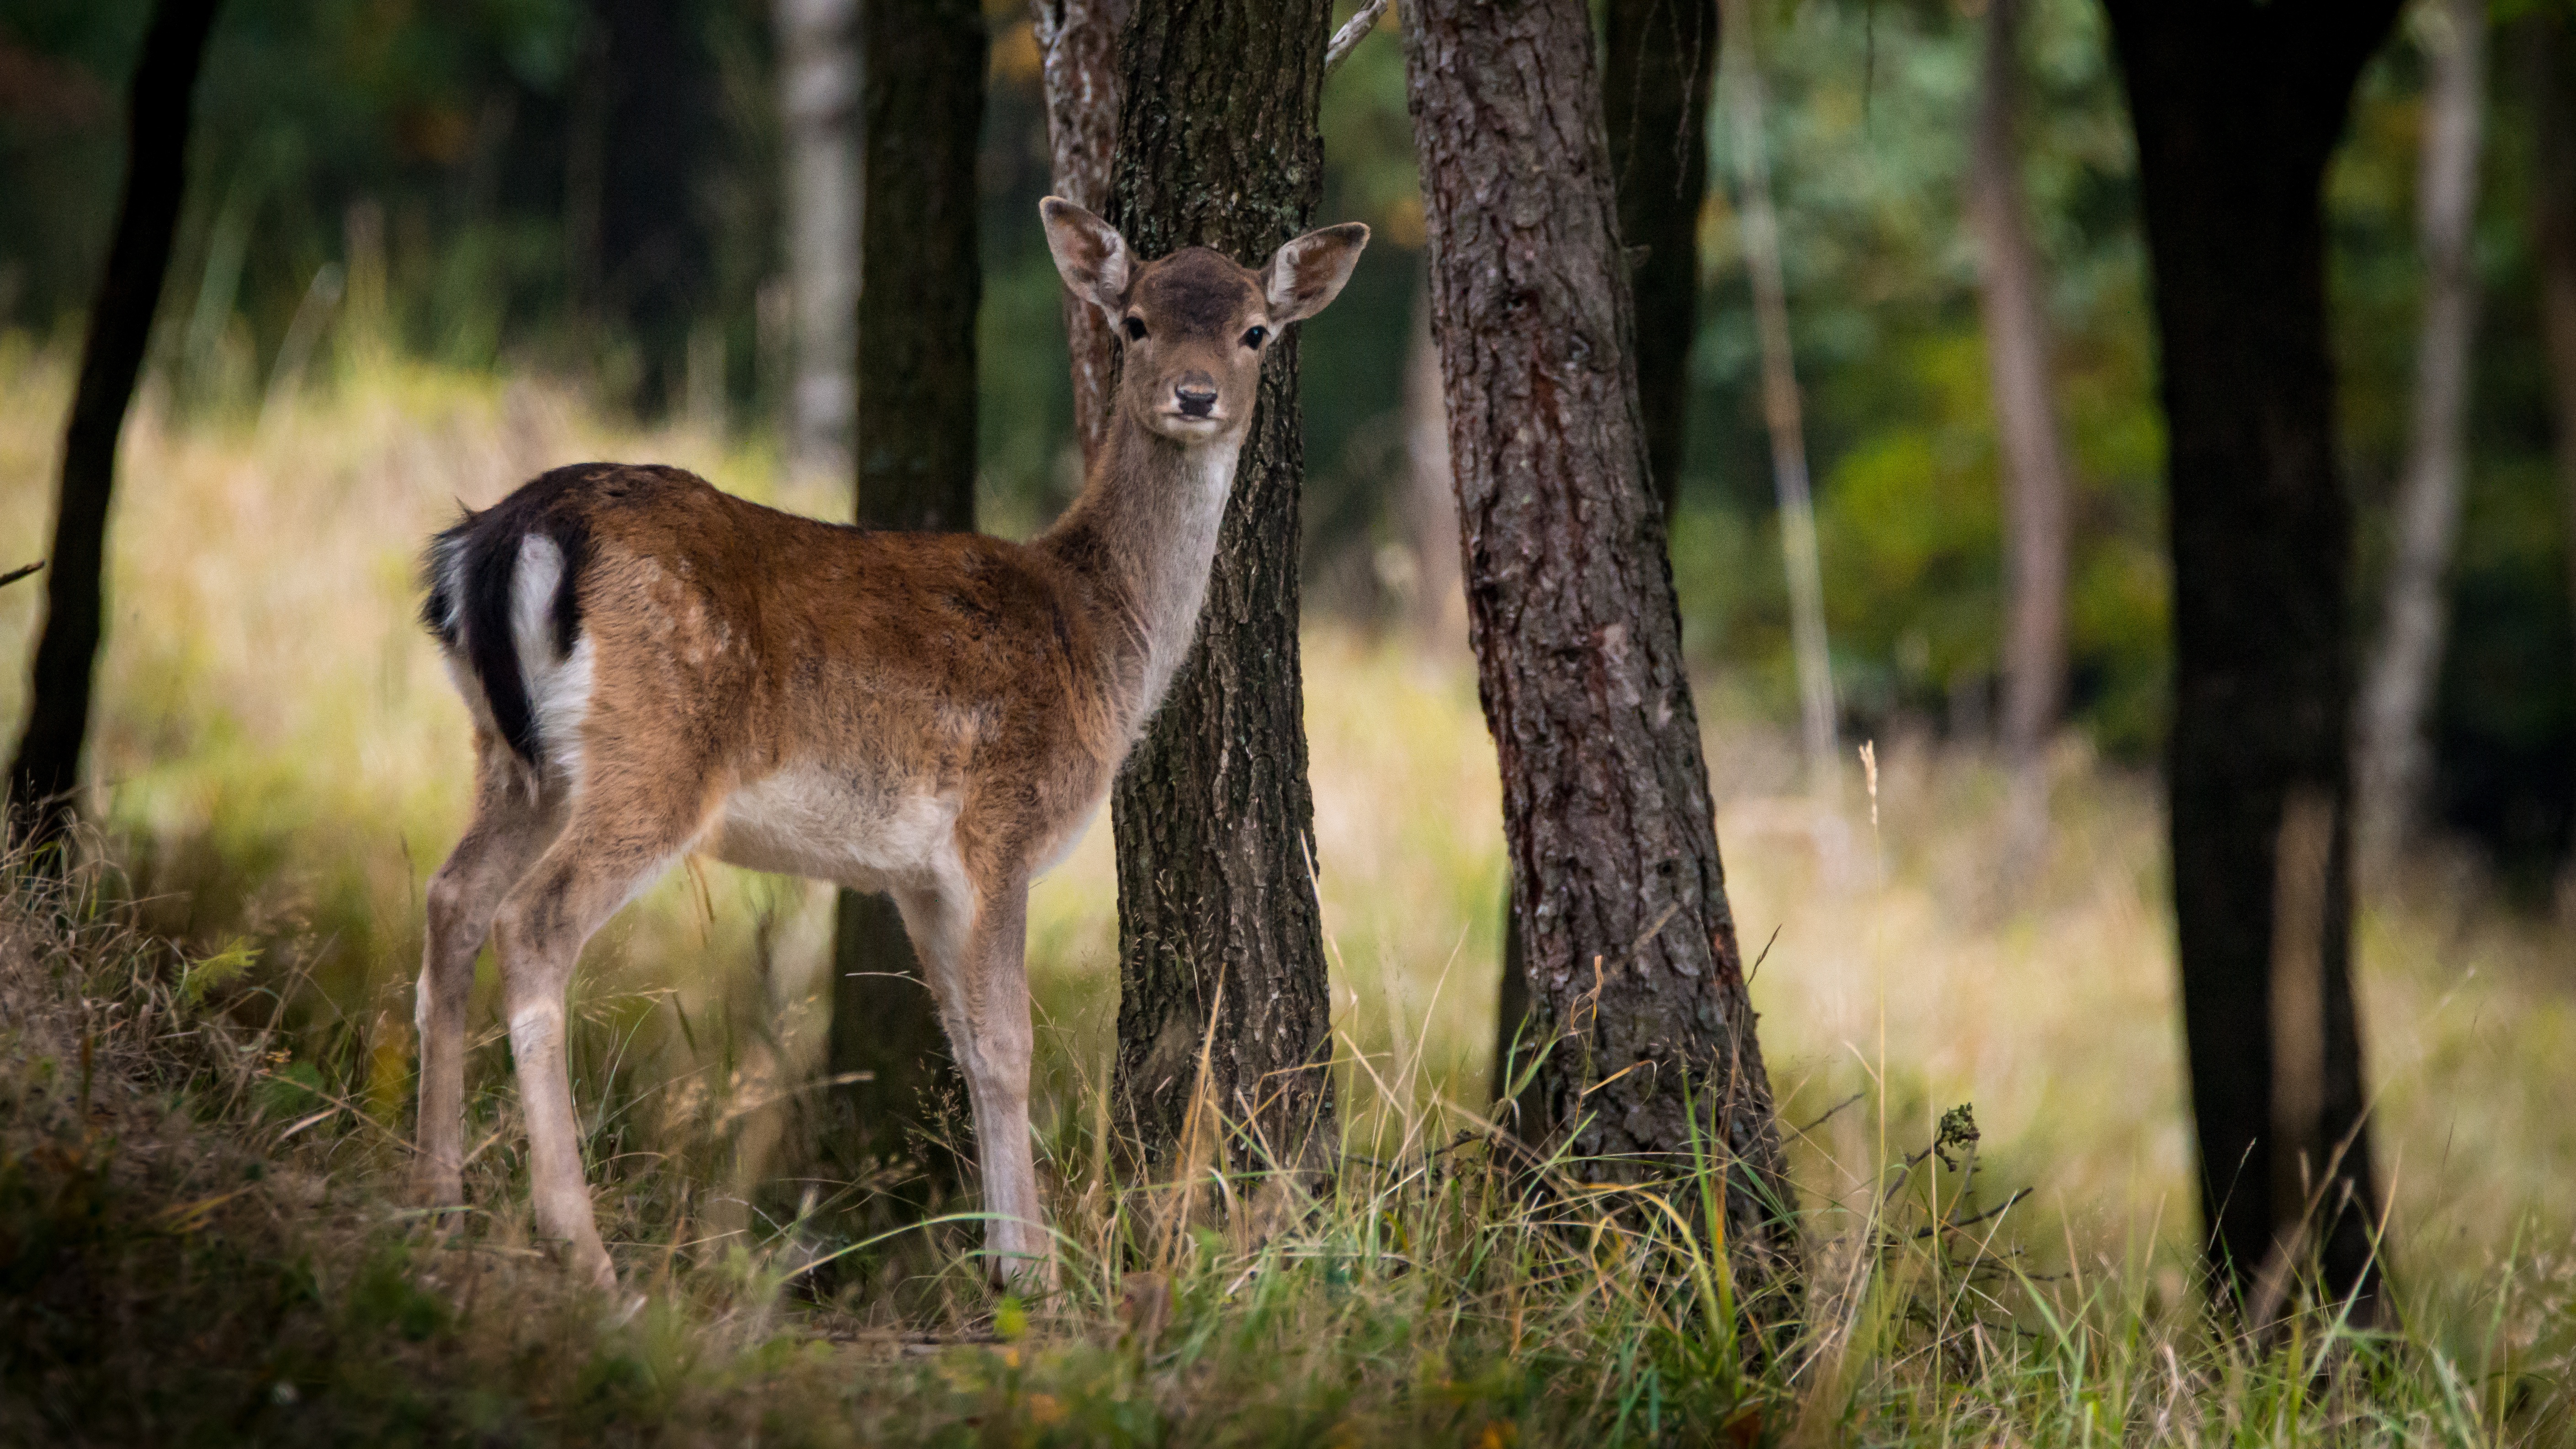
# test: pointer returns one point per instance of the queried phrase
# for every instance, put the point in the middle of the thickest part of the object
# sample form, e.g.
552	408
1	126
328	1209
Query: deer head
1194	325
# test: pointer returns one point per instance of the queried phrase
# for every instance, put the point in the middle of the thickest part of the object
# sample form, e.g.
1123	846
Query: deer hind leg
975	953
510	830
622	833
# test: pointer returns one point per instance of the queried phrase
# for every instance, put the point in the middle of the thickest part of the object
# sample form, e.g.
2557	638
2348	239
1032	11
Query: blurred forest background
593	193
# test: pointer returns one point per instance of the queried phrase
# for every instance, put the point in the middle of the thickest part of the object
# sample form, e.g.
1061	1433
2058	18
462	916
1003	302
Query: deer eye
1256	337
1135	329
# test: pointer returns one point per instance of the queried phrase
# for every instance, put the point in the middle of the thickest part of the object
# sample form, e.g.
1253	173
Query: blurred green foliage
527	184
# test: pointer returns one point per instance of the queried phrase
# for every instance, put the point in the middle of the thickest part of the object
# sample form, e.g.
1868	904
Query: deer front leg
973	945
509	831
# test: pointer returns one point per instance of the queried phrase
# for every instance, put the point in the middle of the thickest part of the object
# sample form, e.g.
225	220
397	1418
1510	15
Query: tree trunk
2395	757
655	254
1220	943
1657	68
1782	415
2012	297
2237	107
43	779
921	109
1079	39
1633	971
818	85
2554	224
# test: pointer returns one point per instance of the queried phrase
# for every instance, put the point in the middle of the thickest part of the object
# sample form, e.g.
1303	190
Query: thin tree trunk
1657	68
1780	410
818	102
2237	107
1079	39
2395	758
2554	226
1633	971
2012	297
1220	942
655	254
921	110
46	773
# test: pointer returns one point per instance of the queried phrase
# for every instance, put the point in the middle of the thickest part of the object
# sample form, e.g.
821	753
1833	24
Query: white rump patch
558	685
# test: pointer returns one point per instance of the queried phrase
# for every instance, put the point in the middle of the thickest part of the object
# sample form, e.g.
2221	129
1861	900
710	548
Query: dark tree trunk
1217	922
1658	66
1634	974
2237	106
2554	236
1079	39
2012	296
921	115
658	120
158	111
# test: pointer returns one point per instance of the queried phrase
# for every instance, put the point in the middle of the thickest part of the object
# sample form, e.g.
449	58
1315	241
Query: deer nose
1197	399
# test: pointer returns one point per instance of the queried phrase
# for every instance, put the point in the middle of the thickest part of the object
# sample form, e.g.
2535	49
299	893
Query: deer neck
1143	533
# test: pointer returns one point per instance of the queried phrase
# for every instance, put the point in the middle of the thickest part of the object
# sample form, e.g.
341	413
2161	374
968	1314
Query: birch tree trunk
818	91
2395	758
1223	1002
158	110
1780	410
2237	105
1429	507
2012	296
921	107
1634	976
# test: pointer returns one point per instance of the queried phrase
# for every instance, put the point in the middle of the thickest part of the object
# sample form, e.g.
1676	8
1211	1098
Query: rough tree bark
2393	761
921	113
818	93
1079	39
46	773
1634	975
2011	294
1220	943
2237	105
2554	246
1658	64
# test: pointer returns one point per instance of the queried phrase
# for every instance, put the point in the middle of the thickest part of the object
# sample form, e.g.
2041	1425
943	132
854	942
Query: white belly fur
800	821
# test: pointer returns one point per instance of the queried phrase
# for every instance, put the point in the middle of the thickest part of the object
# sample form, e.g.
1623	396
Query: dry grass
281	763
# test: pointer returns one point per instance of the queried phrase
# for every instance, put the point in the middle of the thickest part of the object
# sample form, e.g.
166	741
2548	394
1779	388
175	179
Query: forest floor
205	1063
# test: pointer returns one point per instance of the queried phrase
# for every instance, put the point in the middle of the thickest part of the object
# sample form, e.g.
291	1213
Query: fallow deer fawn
655	667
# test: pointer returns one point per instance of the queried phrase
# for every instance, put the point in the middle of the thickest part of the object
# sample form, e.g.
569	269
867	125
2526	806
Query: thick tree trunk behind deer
1636	985
2237	108
2393	764
655	667
2013	299
921	112
1079	41
47	770
1224	1012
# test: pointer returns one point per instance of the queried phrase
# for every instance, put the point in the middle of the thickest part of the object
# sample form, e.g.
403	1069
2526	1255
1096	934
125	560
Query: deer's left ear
1305	275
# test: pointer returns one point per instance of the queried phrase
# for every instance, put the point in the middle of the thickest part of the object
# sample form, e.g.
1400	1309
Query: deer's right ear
1089	253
